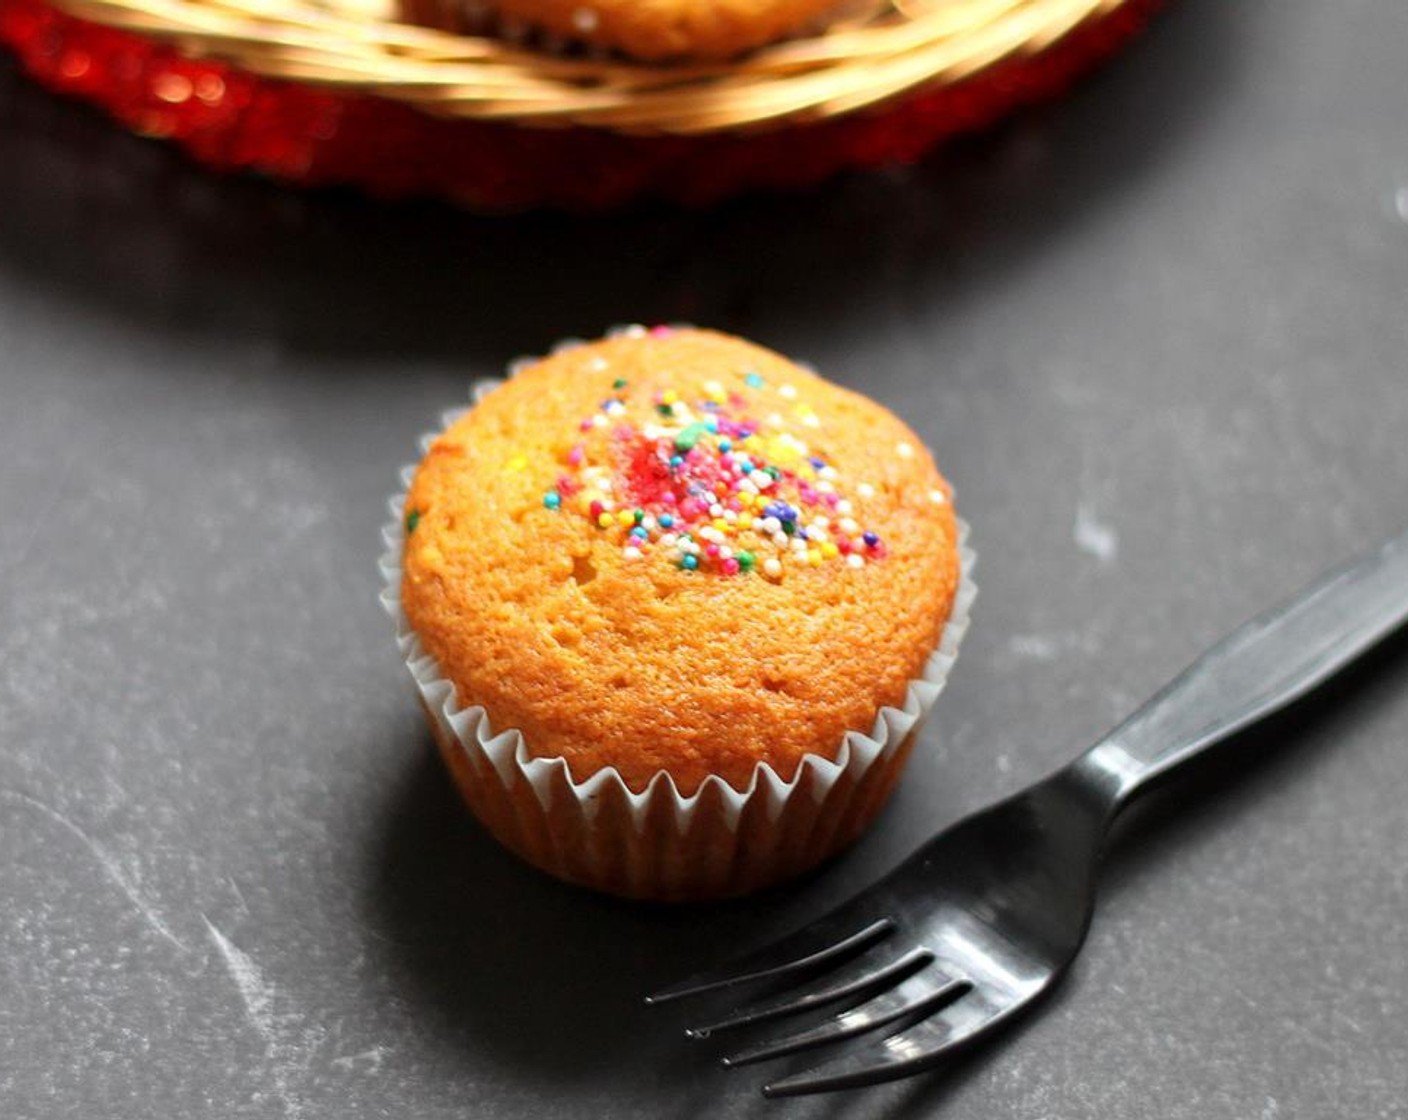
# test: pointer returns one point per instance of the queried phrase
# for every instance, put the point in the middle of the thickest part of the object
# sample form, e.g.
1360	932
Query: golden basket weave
891	48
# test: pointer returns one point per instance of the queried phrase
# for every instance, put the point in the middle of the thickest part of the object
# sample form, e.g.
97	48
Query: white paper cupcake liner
659	843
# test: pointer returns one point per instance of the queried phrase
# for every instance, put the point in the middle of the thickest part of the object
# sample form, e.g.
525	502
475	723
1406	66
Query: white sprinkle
820	523
844	507
855	560
648	521
759	525
585	20
938	497
597	364
770	525
865	490
799	545
811	420
713	390
775	419
631	553
772	566
725	553
780	539
824	487
904	450
848	525
827	473
761	479
598	421
787	392
716	510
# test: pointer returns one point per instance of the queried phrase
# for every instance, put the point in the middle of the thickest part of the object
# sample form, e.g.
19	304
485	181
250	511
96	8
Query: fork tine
872	976
822	944
917	995
916	1048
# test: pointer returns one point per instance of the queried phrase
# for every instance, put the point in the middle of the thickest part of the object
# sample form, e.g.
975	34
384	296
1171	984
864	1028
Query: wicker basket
343	91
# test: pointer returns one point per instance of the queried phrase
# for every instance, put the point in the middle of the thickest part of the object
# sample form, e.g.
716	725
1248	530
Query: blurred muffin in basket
649	30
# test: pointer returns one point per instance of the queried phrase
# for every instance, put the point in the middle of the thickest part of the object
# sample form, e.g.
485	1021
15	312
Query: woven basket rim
358	46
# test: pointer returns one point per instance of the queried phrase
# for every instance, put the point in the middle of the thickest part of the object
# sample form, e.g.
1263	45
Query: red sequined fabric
234	121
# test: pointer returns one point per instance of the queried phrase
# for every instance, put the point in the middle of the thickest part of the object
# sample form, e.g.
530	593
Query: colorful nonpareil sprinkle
412	520
723	484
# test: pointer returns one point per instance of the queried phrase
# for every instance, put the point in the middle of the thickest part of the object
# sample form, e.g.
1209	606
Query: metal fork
987	916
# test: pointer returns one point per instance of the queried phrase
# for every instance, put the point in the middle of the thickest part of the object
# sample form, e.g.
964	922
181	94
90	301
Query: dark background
1156	335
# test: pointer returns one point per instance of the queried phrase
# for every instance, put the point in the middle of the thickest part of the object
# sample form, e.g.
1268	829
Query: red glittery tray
232	120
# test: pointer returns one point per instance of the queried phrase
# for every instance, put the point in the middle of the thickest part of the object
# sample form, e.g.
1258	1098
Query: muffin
656	30
676	606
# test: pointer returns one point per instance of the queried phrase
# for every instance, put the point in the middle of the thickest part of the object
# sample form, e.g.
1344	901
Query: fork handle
1256	670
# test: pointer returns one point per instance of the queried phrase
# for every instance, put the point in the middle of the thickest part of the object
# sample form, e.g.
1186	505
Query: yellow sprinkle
830	551
605	520
626	517
518	462
721	524
813	558
669	396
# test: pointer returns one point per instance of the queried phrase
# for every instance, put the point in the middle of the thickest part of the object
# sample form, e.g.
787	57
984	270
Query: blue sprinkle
689	563
754	381
551	500
871	539
666	521
676	462
818	464
712	425
725	445
640	532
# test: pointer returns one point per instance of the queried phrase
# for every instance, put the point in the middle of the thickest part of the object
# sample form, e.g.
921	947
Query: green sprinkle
619	383
412	520
746	560
774	471
688	437
639	515
665	409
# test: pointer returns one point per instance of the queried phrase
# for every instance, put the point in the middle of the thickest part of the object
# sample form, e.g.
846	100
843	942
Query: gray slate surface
1156	334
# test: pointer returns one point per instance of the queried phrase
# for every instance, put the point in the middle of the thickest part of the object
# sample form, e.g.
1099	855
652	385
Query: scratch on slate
107	861
1095	536
255	993
287	1046
368	1060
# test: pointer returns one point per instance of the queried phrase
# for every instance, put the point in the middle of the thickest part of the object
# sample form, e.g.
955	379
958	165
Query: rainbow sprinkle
711	487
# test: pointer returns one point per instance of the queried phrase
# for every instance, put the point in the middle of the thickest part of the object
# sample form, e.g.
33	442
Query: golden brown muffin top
674	550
